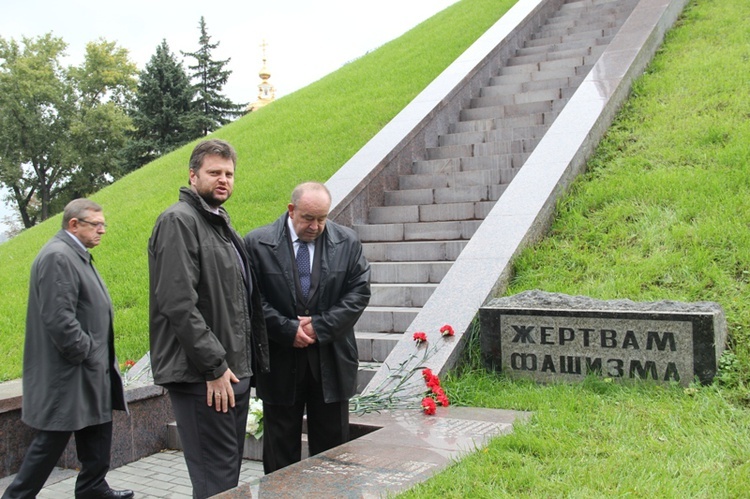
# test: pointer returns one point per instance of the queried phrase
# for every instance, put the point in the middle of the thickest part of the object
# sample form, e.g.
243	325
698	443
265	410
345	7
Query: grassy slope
662	214
304	136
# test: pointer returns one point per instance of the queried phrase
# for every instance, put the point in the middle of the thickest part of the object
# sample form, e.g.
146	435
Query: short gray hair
308	186
77	208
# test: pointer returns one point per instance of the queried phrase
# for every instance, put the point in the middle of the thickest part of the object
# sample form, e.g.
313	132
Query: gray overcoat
71	379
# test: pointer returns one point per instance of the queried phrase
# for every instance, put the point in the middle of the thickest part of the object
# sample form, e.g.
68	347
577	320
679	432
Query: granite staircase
412	240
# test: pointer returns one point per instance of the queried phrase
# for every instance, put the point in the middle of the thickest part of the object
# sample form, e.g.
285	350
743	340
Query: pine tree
162	113
212	109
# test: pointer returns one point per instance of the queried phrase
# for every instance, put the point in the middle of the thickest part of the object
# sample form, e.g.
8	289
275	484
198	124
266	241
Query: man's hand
307	327
305	335
221	390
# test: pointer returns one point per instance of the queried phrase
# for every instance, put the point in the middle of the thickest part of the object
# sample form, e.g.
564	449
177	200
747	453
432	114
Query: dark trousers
327	425
93	445
213	442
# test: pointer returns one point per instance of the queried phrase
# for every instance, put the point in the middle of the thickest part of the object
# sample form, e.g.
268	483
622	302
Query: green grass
662	213
601	439
307	135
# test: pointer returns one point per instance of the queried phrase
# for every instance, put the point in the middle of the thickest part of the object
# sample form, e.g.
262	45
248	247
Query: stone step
401	294
451	165
386	319
365	373
530	86
539	76
547	39
432	212
562	46
573	9
408	272
483	113
375	347
413	251
606	13
477	149
449	179
444	195
579	25
497	124
483	162
548	66
420	231
547	55
543	95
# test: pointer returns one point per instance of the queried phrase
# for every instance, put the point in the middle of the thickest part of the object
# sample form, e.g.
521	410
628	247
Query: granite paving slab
407	448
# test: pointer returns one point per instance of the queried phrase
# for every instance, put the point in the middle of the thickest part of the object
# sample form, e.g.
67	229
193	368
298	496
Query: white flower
254	424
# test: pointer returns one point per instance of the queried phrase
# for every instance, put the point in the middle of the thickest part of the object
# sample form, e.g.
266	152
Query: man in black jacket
206	321
315	285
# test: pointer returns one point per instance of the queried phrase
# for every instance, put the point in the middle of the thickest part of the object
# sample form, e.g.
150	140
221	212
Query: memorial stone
553	337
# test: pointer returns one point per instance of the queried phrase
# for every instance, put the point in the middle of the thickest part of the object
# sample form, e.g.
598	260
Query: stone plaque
552	337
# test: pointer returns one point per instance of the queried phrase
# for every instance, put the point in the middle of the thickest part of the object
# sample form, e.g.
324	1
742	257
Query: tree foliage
212	109
162	113
60	127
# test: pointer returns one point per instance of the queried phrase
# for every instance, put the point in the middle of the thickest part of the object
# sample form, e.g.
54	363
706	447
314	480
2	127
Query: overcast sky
307	39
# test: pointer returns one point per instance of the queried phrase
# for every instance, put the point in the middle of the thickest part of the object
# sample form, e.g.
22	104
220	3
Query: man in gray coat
315	283
71	380
207	330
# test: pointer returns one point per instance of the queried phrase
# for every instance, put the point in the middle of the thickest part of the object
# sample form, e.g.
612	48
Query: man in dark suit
71	380
315	285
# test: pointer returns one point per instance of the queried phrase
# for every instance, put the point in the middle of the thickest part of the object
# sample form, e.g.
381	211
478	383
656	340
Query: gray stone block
493	148
462	194
410	197
401	294
433	166
453	139
457	151
455	179
437	231
552	337
380	232
375	347
393	214
449	211
386	319
499	162
413	251
482	113
406	272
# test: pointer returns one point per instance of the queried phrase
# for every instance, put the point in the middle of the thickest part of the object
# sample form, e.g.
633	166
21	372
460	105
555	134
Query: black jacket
343	293
201	321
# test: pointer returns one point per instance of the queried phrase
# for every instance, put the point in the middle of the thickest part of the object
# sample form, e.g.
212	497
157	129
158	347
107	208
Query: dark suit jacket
342	293
71	379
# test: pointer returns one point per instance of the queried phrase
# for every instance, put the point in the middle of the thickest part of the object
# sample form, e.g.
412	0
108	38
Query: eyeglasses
98	225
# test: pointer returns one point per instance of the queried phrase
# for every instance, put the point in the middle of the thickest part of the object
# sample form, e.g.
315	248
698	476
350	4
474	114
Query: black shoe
118	494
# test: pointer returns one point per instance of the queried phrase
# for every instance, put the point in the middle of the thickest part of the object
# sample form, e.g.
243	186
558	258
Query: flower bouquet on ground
397	392
254	425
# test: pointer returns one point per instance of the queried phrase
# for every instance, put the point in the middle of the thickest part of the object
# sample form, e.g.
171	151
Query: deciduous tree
60	127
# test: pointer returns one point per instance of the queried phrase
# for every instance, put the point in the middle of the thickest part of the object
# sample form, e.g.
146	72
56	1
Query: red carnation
442	399
447	330
433	383
419	337
429	406
427	373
